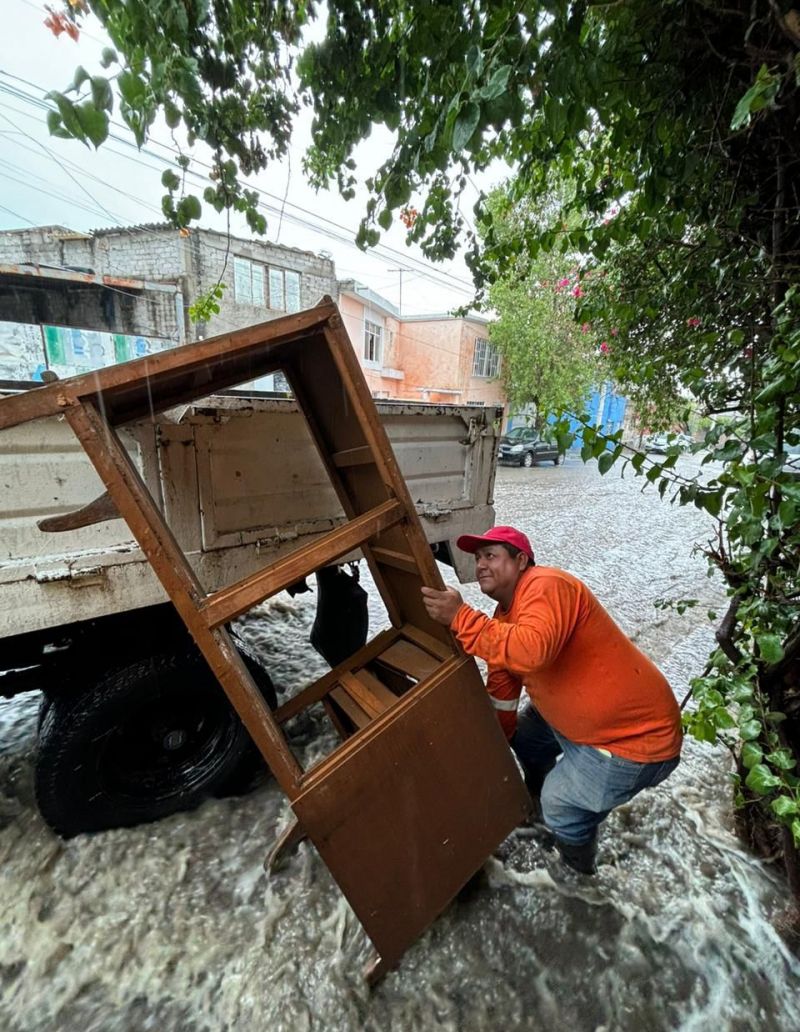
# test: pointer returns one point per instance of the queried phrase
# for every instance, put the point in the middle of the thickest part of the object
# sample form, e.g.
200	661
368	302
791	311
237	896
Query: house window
373	343
486	361
284	290
248	281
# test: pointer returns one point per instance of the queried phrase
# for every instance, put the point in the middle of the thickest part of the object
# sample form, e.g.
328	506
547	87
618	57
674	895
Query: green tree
548	361
677	125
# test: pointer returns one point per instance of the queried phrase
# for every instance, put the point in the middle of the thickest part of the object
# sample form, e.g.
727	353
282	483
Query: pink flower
564	282
604	348
578	291
693	322
585	327
615	332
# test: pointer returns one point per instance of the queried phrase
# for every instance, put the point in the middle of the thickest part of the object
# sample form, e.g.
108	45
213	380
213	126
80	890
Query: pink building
435	358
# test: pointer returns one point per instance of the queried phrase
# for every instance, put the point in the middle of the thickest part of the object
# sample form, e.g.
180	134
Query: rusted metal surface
45	272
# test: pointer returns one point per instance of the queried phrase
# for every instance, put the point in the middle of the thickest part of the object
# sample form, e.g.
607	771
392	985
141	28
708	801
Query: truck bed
240	482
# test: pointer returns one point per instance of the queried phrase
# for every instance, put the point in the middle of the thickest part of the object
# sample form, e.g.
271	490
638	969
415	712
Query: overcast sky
46	181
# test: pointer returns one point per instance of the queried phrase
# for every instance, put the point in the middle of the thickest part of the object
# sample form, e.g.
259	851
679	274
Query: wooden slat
359	716
372	696
364	409
231	602
335	718
144	374
135	504
353	457
319	689
409	659
98	510
427	642
400	561
298	386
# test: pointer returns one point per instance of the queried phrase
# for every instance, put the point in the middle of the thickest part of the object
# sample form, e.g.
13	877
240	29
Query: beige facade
434	358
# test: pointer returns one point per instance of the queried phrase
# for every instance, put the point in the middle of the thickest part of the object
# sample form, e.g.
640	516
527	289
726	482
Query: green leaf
102	94
108	57
761	93
496	85
80	77
132	89
762	780
171	180
751	755
782	758
750	729
605	462
385	218
711	501
69	116
56	127
172	114
784	806
94	123
193	206
770	647
397	192
466	124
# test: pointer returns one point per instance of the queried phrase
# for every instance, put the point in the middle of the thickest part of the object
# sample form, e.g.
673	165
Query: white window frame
248	282
373	344
284	289
485	359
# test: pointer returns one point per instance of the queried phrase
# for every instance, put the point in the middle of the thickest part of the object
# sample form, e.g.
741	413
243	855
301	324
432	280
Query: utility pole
400	302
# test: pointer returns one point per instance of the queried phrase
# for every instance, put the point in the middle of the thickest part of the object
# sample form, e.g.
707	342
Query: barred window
486	360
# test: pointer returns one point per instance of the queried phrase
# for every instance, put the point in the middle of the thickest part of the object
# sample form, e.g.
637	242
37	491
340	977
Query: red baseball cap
501	535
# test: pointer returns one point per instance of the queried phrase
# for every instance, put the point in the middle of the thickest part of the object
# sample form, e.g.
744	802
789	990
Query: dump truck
127	698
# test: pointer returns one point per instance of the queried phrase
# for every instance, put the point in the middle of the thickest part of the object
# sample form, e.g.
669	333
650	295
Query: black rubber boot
581	857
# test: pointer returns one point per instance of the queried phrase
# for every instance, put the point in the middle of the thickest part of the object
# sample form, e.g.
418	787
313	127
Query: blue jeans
579	785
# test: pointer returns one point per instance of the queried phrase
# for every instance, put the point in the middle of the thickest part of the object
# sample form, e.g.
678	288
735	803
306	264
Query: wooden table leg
375	970
291	836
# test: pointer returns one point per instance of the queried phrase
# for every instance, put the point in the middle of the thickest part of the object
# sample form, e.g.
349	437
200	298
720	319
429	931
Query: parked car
659	443
524	446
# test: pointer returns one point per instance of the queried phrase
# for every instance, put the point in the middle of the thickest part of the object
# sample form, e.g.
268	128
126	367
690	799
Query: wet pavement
174	927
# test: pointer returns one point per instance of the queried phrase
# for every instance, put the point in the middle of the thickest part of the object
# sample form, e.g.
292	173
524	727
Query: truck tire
141	742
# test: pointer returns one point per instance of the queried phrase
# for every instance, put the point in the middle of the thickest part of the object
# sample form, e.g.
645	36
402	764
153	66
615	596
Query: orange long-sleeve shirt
585	677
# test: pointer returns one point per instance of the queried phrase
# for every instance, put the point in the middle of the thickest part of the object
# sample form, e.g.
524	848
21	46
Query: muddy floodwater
174	927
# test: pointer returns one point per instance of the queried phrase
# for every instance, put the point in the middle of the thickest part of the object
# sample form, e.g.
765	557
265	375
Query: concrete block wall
138	253
212	258
160	254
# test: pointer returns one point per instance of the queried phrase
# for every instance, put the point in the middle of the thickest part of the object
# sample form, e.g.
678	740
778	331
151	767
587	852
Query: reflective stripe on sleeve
504	704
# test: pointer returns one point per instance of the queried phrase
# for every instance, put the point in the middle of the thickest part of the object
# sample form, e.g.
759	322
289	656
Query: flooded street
174	927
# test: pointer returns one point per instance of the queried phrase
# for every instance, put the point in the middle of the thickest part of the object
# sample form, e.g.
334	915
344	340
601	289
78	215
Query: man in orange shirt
603	723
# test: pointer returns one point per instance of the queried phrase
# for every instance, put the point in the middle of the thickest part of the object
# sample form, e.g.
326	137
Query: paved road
173	927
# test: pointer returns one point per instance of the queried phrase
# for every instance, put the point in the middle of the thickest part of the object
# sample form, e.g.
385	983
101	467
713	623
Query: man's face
498	572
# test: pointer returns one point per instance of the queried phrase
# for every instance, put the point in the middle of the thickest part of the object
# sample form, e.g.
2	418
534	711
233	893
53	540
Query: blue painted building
604	407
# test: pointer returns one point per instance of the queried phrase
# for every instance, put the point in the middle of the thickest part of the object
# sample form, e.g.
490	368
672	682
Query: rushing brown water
174	927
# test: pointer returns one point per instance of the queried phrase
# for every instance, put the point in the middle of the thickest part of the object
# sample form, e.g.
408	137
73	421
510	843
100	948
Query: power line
320	224
16	215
